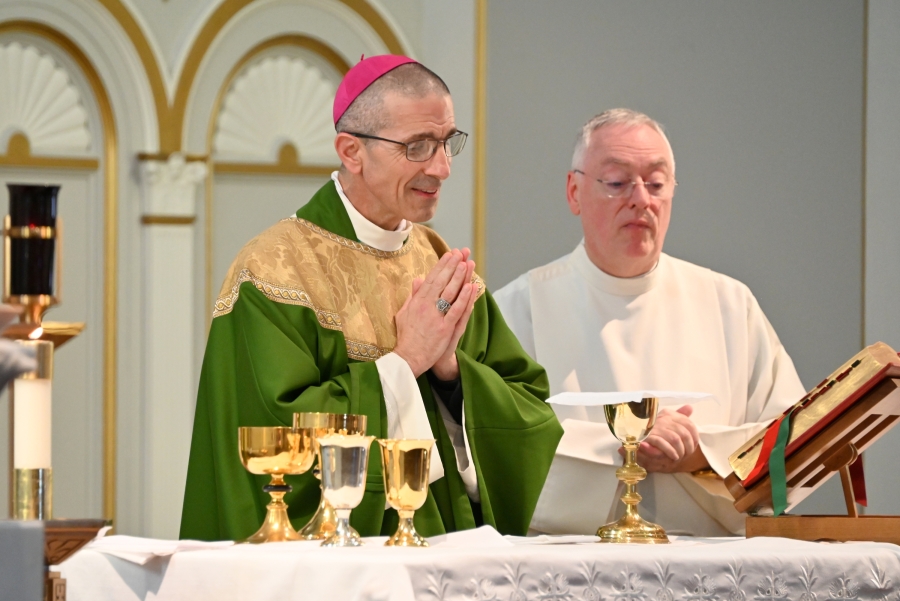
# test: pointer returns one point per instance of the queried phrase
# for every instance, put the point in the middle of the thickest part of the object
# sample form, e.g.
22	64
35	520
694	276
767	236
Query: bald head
367	113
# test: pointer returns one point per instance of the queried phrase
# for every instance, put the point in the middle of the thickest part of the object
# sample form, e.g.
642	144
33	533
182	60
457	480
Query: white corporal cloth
481	564
677	327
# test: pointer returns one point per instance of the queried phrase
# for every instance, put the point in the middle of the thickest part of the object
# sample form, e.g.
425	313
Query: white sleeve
405	408
773	386
464	464
514	301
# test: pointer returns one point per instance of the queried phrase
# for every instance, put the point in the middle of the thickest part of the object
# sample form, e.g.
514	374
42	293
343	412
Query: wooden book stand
831	426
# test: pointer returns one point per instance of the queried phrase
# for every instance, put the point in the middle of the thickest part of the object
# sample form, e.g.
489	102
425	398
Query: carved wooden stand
62	538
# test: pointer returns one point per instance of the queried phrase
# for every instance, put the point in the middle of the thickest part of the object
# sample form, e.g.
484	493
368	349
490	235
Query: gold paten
276	451
826	397
324	522
405	469
631	423
32	494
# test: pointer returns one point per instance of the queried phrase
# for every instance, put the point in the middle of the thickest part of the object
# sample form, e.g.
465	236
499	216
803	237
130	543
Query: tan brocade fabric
352	287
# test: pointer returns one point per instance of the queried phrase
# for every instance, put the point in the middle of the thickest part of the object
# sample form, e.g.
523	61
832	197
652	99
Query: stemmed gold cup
276	451
345	459
405	466
324	522
631	423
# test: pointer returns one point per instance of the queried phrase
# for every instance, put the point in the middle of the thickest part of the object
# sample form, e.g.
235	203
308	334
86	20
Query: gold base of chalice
275	451
276	527
325	521
406	535
405	465
631	423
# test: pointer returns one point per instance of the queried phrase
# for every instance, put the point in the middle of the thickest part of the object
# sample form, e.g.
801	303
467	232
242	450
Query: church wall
763	104
882	215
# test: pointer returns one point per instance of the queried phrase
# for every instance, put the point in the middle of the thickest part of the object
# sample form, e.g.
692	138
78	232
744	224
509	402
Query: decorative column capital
169	186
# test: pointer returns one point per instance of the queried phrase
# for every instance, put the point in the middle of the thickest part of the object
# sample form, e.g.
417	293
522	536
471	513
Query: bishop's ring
442	306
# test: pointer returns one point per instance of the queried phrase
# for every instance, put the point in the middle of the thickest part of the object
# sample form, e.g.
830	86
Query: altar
483	565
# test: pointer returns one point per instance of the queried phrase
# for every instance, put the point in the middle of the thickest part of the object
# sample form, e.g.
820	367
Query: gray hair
609	118
366	114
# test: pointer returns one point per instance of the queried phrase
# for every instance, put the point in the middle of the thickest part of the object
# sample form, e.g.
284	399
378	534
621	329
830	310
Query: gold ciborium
631	423
345	459
324	521
276	451
405	469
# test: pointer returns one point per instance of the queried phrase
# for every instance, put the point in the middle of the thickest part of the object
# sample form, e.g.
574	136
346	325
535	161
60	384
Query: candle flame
36	333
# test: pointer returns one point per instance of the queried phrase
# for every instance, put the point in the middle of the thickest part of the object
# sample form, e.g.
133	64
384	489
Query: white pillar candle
31	445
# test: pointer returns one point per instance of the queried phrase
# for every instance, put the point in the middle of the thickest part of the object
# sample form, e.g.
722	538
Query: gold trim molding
168	219
479	196
164	156
110	242
18	154
288	164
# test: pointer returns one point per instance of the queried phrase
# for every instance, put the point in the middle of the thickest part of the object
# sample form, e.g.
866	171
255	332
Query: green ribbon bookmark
777	470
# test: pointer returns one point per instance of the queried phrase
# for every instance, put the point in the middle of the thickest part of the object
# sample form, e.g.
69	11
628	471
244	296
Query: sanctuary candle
32	482
32	445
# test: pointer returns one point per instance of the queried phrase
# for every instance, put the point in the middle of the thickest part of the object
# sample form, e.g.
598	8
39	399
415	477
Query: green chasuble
304	312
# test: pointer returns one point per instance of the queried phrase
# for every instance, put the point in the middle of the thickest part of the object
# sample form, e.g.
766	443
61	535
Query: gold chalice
345	459
405	469
276	451
324	521
631	423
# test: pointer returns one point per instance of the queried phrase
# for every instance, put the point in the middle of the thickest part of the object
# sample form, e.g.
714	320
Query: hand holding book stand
825	432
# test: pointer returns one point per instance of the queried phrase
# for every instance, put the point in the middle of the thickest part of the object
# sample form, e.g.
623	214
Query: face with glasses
623	193
397	173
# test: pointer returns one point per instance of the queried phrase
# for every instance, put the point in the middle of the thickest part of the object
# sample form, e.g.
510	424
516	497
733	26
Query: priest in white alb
618	314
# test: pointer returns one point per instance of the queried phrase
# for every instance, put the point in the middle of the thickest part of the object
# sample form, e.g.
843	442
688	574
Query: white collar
367	232
611	284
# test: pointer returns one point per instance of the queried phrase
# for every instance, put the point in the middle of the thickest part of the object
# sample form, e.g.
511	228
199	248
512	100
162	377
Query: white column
169	197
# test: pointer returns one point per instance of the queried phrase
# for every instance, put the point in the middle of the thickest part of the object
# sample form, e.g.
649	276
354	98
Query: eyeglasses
617	189
419	151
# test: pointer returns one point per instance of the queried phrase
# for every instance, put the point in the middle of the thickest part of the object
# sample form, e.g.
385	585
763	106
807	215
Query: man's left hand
673	444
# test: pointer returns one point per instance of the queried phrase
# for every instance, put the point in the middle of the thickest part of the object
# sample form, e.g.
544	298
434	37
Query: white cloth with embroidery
481	565
678	327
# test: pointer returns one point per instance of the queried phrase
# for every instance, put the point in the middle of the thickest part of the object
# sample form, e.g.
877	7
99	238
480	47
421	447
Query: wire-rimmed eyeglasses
624	189
422	150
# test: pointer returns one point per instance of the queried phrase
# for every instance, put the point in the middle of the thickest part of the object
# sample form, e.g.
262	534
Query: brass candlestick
275	451
631	423
324	522
405	466
32	239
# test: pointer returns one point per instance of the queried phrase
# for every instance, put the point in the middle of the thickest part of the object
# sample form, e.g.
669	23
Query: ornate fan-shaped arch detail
277	101
39	100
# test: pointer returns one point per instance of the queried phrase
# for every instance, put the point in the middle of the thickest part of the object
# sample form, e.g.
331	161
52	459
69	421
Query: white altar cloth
481	565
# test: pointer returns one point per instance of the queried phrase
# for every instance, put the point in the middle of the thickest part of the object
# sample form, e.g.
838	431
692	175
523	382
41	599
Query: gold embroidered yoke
352	287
